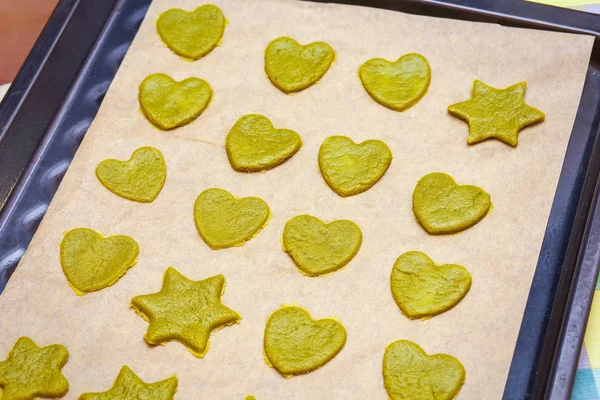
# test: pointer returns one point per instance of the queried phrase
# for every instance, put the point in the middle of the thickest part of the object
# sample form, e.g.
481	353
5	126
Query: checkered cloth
587	380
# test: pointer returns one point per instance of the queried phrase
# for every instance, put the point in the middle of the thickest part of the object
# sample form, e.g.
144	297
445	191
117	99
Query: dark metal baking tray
56	95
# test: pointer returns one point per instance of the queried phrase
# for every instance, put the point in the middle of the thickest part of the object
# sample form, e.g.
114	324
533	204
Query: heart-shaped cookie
350	168
225	221
396	85
293	67
253	145
422	289
441	206
409	373
318	248
140	178
92	262
192	34
169	104
296	344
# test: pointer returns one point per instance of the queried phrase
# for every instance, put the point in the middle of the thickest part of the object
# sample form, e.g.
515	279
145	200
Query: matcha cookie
409	373
31	372
318	248
186	311
422	289
140	178
92	262
396	85
496	113
169	104
441	206
225	221
254	145
350	168
292	67
128	386
296	344
192	34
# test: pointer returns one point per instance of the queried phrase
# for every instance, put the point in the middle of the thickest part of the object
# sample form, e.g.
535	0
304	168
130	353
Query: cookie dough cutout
422	289
409	373
292	67
441	206
185	311
225	221
318	248
194	34
396	85
350	168
31	372
141	178
296	344
496	113
92	262
129	386
169	104
254	145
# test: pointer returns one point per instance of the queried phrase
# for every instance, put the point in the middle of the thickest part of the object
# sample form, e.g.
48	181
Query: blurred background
21	22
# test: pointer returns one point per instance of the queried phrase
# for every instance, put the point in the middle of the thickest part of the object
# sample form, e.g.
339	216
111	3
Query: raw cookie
396	85
496	113
225	221
441	206
140	178
31	372
254	145
350	168
92	262
296	344
318	248
129	386
169	104
186	311
250	398
422	289
293	67
409	373
192	34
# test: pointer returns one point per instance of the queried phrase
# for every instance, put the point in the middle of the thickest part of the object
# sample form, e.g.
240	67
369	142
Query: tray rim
562	362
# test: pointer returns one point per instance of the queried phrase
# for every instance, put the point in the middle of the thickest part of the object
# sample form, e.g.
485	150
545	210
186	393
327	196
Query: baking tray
58	91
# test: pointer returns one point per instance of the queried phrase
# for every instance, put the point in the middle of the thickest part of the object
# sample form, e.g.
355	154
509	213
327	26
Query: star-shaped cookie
185	310
496	113
128	386
30	371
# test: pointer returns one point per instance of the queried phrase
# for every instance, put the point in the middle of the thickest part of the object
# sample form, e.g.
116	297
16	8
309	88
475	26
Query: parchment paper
102	333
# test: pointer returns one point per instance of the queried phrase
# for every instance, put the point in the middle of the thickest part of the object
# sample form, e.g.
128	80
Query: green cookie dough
422	289
128	386
31	372
441	206
186	311
318	248
250	398
396	85
350	168
409	373
253	145
140	178
92	262
225	221
192	34
296	344
496	113
169	104
293	67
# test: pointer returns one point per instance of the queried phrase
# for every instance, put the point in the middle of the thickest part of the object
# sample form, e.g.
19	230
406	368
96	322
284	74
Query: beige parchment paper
102	333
